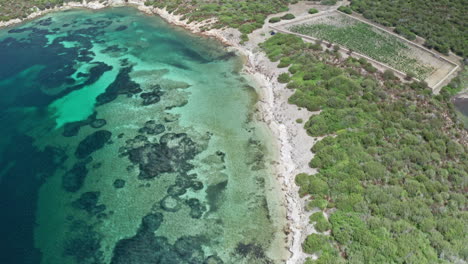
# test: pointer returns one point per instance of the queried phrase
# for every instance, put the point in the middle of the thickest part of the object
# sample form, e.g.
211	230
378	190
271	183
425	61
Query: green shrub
317	203
318	186
311	103
244	38
284	78
295	68
322	225
388	75
410	76
313	11
369	68
314	243
299	121
308	76
288	16
316	47
405	32
284	62
302	180
318	244
274	20
328	2
345	9
317	216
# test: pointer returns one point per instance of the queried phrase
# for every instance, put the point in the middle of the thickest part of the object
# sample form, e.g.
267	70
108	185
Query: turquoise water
127	140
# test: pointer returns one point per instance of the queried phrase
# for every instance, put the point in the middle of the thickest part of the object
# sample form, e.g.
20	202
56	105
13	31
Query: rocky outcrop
91	143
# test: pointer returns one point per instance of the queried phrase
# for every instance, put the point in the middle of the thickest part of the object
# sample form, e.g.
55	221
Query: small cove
131	141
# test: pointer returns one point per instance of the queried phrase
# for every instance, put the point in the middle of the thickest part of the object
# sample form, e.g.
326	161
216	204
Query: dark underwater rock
19	30
121	28
114	48
214	195
119	183
44	22
73	179
213	260
151	97
121	85
251	250
170	204
190	249
227	56
152	128
72	128
84	244
54	156
88	202
151	222
176	190
180	146
185	180
153	160
98	123
96	71
197	185
196	208
171	154
221	154
92	143
146	248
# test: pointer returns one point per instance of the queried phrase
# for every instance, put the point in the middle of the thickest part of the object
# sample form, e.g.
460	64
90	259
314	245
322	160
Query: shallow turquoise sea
126	140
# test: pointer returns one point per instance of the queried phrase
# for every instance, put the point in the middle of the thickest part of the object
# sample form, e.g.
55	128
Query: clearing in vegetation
367	40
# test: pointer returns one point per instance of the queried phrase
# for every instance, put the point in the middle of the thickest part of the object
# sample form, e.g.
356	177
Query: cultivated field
374	43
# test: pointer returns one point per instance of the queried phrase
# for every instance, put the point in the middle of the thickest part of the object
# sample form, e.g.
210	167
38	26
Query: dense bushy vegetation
345	9
457	84
313	11
288	16
366	40
10	9
244	15
393	166
442	23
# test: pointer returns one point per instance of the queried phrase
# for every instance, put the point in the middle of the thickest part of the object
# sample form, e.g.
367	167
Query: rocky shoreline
295	144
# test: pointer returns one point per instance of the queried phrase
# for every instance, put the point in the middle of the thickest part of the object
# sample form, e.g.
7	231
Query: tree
388	75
